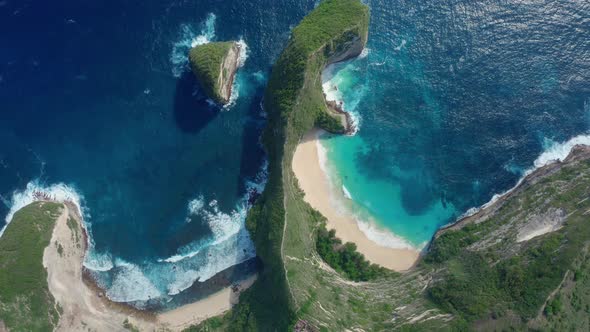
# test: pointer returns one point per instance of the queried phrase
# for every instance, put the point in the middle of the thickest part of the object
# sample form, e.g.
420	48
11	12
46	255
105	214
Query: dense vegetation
344	258
206	61
294	103
500	280
476	274
25	301
569	309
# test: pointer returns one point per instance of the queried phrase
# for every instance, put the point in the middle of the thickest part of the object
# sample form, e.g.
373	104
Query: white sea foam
385	238
130	284
123	281
187	39
211	260
235	90
58	192
372	231
554	152
322	157
401	45
100	262
201	260
365	52
332	79
244	52
259	77
195	206
229	245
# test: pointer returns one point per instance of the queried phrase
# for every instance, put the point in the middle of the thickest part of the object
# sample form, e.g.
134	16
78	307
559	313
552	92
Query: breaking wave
386	238
229	244
188	39
235	90
36	191
341	84
553	152
137	283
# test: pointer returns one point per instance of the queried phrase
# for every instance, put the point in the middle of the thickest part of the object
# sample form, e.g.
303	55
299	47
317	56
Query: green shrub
206	61
25	301
344	258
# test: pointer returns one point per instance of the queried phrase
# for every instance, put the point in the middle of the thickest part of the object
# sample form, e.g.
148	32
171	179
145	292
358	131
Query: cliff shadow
252	154
192	111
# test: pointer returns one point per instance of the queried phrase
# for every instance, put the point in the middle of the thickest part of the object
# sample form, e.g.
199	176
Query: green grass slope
477	277
206	61
25	301
294	103
488	279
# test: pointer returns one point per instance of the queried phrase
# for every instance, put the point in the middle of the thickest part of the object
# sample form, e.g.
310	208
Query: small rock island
215	65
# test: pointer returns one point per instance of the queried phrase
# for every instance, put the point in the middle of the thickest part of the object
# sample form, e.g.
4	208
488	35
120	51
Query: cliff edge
215	65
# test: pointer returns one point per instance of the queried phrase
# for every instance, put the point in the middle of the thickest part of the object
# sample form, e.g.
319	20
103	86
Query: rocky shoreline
346	118
577	154
229	66
346	51
215	65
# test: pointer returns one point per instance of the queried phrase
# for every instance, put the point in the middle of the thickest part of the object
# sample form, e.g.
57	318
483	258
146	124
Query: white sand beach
319	193
85	308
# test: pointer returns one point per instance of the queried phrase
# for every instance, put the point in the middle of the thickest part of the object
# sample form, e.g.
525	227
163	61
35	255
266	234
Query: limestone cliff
215	66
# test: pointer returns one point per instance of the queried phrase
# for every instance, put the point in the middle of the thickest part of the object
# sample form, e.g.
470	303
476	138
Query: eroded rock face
215	65
350	45
227	72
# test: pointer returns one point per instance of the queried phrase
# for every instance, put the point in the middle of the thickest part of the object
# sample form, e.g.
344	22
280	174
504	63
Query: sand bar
319	194
83	307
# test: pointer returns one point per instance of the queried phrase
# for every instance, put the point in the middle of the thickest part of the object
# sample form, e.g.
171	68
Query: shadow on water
252	154
192	112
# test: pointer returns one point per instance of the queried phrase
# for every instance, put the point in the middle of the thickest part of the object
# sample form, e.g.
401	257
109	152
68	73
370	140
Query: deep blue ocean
456	100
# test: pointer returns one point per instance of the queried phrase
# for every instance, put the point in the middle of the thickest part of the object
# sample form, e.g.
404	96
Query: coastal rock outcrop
578	154
215	65
348	45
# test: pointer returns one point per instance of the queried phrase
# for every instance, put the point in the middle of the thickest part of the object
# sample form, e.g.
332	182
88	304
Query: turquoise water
105	112
454	101
378	201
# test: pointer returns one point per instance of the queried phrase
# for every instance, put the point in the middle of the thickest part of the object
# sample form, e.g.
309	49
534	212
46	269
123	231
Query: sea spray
385	238
374	205
130	284
374	233
229	244
36	191
364	53
188	39
553	152
342	84
236	85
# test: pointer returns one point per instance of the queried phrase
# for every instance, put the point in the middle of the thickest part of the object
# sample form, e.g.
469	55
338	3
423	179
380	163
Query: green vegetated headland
482	274
207	63
522	263
294	103
26	303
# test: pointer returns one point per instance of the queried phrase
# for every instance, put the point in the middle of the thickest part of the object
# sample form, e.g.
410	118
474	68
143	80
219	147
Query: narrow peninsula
525	265
520	263
44	286
215	65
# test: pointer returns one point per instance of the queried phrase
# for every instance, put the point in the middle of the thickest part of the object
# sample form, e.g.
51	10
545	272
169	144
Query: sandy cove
82	306
319	194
